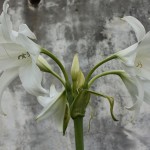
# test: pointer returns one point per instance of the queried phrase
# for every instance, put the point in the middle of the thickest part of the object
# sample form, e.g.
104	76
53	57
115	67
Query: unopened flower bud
80	80
75	68
43	64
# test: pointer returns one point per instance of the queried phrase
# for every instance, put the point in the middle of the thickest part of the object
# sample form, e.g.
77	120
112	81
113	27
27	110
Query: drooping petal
128	55
44	101
5	79
137	26
140	96
31	78
134	86
56	110
24	29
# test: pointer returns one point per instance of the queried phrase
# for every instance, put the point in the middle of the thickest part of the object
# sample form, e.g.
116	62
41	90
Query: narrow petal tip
5	6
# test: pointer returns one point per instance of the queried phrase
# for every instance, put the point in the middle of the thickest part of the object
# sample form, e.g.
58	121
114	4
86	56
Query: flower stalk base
78	129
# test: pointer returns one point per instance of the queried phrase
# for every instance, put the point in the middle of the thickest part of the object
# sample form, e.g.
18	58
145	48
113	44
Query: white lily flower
18	55
54	106
136	60
136	57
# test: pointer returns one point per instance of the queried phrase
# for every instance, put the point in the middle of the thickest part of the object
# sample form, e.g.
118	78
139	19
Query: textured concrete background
93	29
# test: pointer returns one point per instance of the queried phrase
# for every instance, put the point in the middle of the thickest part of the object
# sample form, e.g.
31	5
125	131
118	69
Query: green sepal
66	118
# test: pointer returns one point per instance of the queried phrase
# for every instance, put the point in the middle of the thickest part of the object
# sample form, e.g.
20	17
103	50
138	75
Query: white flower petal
24	29
55	109
5	6
129	69
146	86
5	79
143	57
6	23
53	91
128	55
44	101
135	88
137	26
28	44
2	38
140	96
11	56
31	78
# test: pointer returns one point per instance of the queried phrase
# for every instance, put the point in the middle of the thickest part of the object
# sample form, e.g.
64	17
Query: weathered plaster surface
93	29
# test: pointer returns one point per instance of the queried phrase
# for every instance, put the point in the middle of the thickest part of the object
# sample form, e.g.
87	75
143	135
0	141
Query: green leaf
66	118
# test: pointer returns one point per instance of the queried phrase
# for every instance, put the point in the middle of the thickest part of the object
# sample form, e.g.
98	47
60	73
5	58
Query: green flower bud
80	80
43	64
75	68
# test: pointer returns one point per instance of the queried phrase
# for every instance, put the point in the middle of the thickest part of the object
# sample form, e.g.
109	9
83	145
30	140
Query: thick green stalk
99	64
44	51
78	129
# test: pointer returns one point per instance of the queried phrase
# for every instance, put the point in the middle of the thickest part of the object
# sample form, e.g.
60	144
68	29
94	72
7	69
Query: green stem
78	129
44	51
57	76
116	72
96	66
111	102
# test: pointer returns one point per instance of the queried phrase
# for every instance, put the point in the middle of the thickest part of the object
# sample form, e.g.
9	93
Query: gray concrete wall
93	29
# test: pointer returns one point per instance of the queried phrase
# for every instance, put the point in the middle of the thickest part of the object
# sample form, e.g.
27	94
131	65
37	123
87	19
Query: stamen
139	64
24	55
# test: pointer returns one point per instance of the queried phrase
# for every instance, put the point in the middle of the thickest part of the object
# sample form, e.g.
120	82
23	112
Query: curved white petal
24	29
128	55
31	78
135	88
137	26
56	110
6	23
5	79
140	96
28	44
5	6
44	101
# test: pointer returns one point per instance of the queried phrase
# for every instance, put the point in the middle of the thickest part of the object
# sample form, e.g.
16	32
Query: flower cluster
20	56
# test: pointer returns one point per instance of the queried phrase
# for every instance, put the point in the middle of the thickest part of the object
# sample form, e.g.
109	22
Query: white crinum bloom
18	56
136	59
54	106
